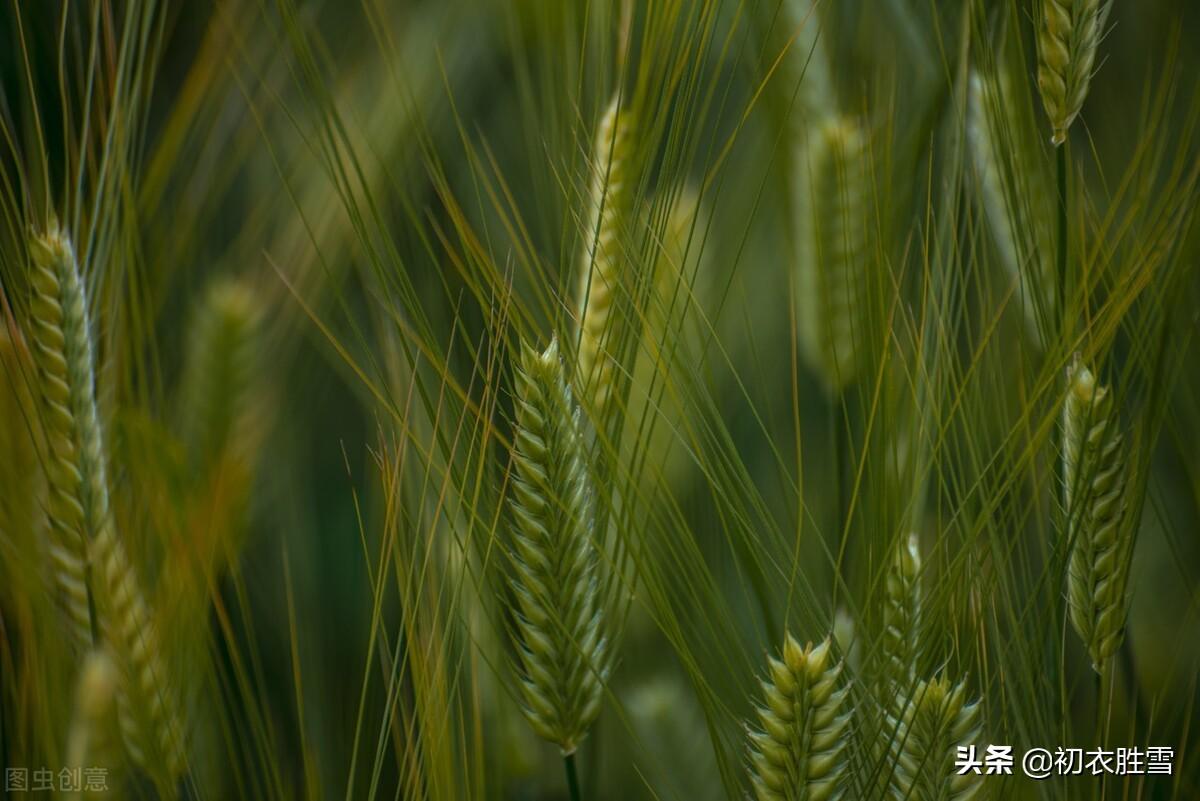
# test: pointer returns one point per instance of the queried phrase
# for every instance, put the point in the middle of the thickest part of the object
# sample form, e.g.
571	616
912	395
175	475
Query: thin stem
572	777
1061	157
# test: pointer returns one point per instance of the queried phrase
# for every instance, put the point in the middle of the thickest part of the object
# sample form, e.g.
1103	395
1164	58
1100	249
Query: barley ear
934	724
218	383
1095	505
832	249
901	620
798	748
146	706
1069	33
602	273
62	351
562	653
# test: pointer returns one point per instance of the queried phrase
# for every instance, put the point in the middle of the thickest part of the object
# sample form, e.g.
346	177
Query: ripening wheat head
1069	34
798	749
557	619
832	191
602	271
81	524
934	724
1100	537
1016	205
62	350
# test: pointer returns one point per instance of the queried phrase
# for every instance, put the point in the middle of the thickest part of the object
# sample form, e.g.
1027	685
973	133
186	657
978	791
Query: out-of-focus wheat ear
1069	34
901	620
1018	211
832	189
147	708
798	747
218	395
559	626
92	738
62	351
1095	506
602	273
933	725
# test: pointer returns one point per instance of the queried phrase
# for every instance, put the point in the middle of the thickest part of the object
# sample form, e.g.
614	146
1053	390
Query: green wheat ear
1069	34
901	619
1093	476
602	272
558	623
798	751
146	706
1016	205
62	351
934	724
84	536
832	249
218	383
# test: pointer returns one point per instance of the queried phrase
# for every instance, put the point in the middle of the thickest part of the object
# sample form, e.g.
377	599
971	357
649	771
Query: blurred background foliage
387	195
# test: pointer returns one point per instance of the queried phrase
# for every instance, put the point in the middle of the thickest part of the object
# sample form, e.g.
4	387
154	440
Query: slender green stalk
572	777
1061	262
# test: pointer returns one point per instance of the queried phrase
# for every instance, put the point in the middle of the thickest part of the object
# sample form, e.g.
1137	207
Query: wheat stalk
832	249
798	751
1069	34
558	622
1093	476
601	277
1016	205
933	725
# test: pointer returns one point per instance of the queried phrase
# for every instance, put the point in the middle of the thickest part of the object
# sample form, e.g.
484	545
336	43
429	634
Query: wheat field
788	400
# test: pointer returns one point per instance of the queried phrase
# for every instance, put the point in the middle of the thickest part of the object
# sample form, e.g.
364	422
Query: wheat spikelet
558	624
901	620
1093	475
218	383
933	725
1016	205
150	725
602	272
62	350
798	753
832	250
1069	34
91	739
